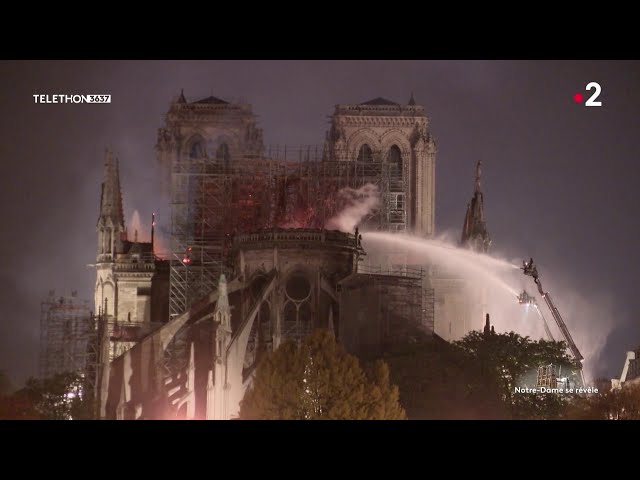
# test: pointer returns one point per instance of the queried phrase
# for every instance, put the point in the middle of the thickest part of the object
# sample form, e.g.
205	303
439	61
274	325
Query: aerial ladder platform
530	269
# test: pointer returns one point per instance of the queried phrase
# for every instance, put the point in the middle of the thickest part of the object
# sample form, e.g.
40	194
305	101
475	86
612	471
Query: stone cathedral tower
384	131
110	229
131	283
199	142
207	128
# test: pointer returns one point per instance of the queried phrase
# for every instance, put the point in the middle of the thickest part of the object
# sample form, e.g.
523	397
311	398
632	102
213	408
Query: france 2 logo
591	102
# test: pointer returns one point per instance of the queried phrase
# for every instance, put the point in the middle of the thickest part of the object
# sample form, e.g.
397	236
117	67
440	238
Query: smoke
358	204
494	284
160	234
135	225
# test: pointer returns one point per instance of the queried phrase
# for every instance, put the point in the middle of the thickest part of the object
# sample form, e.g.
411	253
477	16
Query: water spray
525	299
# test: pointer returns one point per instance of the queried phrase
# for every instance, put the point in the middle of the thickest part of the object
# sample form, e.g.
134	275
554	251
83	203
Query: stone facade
286	283
458	306
207	128
383	131
131	283
224	182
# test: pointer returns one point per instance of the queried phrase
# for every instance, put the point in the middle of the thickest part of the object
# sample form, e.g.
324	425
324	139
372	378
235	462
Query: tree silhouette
63	396
319	380
509	360
607	404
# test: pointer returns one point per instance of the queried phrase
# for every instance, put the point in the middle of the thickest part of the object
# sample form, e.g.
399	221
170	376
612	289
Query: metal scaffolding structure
213	199
66	333
71	339
417	301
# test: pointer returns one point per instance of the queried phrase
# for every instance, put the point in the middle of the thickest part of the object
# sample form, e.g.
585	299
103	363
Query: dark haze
560	179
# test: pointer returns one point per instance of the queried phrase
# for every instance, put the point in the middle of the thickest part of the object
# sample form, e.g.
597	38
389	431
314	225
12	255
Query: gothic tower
131	283
398	137
474	230
199	143
210	128
110	229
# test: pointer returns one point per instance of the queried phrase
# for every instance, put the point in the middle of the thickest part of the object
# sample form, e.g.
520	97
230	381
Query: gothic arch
195	146
256	283
297	307
108	291
222	137
222	148
223	154
365	153
395	137
359	138
101	240
394	157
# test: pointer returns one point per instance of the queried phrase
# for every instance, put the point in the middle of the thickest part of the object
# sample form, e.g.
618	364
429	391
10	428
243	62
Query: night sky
560	179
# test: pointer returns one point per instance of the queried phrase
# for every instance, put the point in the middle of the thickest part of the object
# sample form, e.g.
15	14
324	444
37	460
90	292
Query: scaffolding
213	199
66	332
415	299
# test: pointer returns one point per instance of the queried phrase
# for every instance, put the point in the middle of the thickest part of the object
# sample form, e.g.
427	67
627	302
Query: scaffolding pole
65	333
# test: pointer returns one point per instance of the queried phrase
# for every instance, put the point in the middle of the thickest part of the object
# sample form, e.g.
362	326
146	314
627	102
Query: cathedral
254	259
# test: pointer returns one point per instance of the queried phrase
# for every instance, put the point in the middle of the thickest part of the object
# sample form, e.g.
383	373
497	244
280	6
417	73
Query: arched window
109	249
298	321
365	154
108	294
395	157
222	154
103	242
197	149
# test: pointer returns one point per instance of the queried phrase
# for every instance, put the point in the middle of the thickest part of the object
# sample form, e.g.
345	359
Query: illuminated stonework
285	284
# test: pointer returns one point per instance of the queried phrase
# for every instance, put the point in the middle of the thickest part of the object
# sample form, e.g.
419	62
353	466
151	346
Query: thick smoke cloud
359	204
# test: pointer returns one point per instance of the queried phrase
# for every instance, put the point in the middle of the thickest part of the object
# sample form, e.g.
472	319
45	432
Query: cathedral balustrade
296	235
142	262
399	271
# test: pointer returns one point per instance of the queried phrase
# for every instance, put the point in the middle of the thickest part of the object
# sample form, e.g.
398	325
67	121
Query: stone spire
474	230
111	219
111	197
412	100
